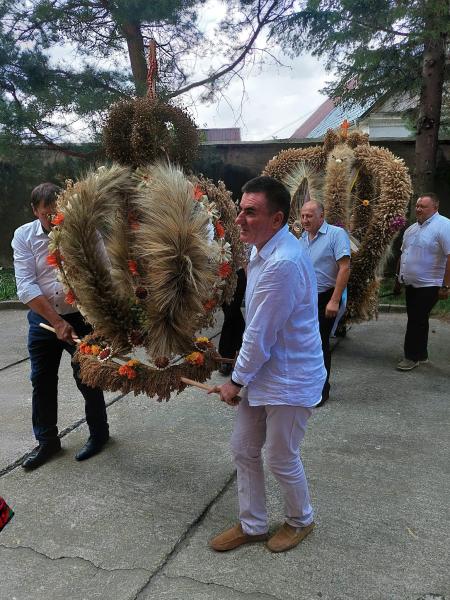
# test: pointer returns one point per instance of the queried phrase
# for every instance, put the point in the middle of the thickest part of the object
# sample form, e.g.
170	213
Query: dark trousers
419	302
325	326
45	351
233	324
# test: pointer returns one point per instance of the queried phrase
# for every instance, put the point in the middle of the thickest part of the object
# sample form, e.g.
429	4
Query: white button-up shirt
34	276
281	360
329	245
425	248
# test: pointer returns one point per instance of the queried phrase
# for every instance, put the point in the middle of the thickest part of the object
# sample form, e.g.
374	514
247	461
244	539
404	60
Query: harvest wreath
147	256
364	189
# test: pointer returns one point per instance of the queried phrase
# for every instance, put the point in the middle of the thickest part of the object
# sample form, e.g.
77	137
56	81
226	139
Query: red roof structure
315	119
226	134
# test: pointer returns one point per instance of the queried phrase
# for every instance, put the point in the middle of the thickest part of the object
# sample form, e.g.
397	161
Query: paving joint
182	540
17	362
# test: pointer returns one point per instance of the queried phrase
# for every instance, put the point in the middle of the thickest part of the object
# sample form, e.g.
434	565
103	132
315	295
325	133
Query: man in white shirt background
279	371
424	270
329	249
38	287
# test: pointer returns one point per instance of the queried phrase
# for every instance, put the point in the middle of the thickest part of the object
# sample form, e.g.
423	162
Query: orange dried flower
85	348
54	258
58	219
365	202
209	304
132	220
220	229
195	358
70	297
225	270
95	350
198	193
133	268
127	372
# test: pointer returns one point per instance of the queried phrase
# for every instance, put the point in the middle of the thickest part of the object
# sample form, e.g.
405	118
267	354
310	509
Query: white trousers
280	429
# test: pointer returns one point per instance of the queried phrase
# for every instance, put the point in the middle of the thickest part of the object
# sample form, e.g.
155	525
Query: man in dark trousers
424	269
329	249
233	324
39	289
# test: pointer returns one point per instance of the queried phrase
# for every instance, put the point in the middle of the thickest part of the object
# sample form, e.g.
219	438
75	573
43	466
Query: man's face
425	208
256	221
44	214
312	217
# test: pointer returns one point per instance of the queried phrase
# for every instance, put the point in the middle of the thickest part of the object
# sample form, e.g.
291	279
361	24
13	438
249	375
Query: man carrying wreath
39	289
279	372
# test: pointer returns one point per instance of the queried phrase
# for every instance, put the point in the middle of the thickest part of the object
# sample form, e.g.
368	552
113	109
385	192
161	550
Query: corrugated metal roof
329	116
335	118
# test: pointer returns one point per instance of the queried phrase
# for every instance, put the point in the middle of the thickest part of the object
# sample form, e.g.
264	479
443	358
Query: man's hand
443	293
228	393
397	289
331	309
64	331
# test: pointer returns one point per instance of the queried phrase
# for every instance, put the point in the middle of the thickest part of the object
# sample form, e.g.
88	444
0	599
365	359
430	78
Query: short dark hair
278	196
434	197
46	193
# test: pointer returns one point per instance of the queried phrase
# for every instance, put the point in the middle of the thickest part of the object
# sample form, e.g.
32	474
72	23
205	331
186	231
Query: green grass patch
8	289
442	308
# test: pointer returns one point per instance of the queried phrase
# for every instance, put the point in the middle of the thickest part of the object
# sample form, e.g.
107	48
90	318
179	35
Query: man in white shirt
329	249
279	372
38	287
424	269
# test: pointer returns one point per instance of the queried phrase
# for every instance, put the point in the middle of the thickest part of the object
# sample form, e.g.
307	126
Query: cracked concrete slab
133	522
42	578
182	588
377	462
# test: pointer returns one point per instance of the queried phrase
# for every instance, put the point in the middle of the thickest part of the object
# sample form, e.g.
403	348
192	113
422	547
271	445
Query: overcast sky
276	100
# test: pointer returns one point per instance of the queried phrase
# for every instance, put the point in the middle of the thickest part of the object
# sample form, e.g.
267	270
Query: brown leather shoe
288	537
233	538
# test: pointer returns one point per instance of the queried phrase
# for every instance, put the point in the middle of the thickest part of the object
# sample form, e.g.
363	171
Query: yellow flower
133	362
95	350
202	339
365	202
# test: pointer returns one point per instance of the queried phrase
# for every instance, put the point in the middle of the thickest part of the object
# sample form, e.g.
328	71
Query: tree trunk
427	128
136	52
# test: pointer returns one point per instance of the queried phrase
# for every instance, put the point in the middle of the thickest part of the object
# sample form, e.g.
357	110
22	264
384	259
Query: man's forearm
446	280
341	282
42	306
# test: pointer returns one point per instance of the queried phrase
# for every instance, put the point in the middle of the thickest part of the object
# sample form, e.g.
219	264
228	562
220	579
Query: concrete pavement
133	522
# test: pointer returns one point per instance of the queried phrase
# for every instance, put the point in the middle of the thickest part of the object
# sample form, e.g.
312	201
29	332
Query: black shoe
41	455
92	447
225	369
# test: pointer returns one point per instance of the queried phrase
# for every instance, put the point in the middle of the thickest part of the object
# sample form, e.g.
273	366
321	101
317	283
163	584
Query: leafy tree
387	47
46	93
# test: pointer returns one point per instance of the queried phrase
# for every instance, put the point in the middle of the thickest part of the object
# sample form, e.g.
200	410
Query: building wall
233	163
236	163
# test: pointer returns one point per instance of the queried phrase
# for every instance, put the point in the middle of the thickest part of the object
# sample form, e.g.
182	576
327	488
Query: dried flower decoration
195	358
